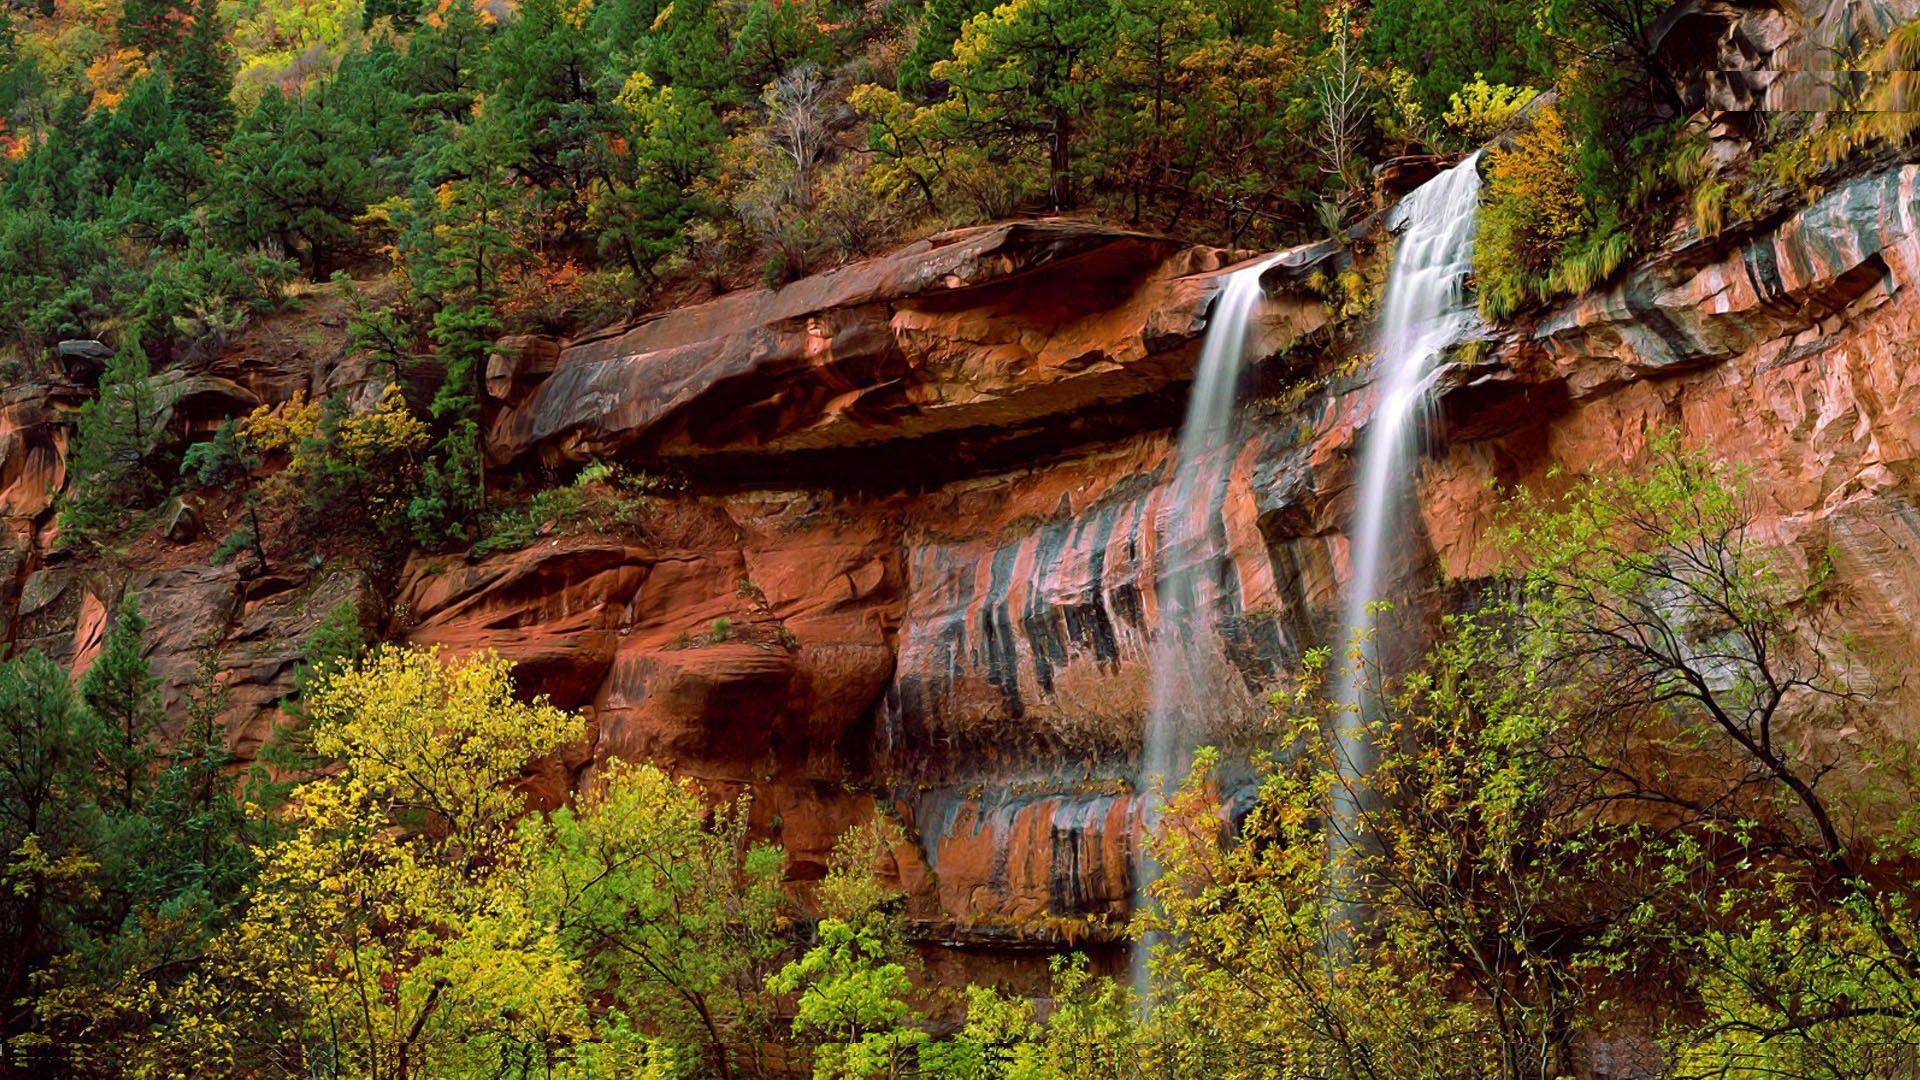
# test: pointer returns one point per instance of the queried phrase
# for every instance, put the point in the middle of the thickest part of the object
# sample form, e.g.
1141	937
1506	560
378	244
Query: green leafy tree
1678	631
48	819
853	1001
1022	75
678	915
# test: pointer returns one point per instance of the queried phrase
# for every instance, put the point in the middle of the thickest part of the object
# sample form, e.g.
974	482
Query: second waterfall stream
1425	311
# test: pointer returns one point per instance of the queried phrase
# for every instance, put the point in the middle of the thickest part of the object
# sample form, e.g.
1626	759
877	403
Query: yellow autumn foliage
366	461
413	919
438	737
1530	209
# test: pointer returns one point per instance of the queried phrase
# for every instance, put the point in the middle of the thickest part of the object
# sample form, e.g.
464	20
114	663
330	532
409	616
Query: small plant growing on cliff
226	459
341	465
602	498
1532	207
1480	110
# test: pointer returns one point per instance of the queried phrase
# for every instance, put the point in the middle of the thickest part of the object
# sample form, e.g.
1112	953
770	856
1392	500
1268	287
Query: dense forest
372	897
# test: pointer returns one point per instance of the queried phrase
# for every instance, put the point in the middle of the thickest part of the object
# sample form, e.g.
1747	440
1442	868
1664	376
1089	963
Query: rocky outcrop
960	343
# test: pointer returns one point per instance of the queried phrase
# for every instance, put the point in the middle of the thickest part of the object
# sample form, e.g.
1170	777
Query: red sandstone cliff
923	492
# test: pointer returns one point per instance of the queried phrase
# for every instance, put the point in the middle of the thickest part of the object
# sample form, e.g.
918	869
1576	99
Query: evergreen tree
1023	75
543	116
690	53
933	42
641	218
1145	94
60	277
123	695
160	204
775	36
440	69
453	490
118	140
201	825
111	459
202	77
152	26
298	174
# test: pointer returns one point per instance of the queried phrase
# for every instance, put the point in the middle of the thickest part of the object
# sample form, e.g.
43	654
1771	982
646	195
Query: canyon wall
910	565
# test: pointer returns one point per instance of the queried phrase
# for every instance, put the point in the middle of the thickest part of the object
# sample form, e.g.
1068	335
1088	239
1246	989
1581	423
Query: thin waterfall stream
1190	551
1425	311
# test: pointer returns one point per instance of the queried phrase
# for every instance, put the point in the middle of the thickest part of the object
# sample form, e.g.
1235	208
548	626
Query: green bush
602	498
209	291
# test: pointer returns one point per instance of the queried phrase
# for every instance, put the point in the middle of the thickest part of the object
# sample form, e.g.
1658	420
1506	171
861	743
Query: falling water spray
1426	311
1191	555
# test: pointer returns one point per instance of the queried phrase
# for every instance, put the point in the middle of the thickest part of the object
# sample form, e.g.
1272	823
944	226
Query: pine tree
544	117
202	77
152	26
1023	75
453	490
298	174
202	827
690	53
111	458
124	696
933	42
675	137
775	36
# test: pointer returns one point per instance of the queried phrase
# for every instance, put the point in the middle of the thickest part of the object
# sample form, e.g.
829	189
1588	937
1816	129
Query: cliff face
913	566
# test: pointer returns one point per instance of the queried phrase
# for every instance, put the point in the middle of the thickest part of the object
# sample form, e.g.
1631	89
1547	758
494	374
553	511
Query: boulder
180	521
82	361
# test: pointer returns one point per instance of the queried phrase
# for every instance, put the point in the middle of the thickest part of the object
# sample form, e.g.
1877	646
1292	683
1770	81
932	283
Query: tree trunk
1060	186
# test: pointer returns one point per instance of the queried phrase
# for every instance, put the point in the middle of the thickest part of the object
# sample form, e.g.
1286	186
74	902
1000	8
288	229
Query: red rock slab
987	328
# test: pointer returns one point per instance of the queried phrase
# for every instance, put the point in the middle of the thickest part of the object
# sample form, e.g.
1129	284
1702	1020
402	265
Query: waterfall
1426	311
1184	647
